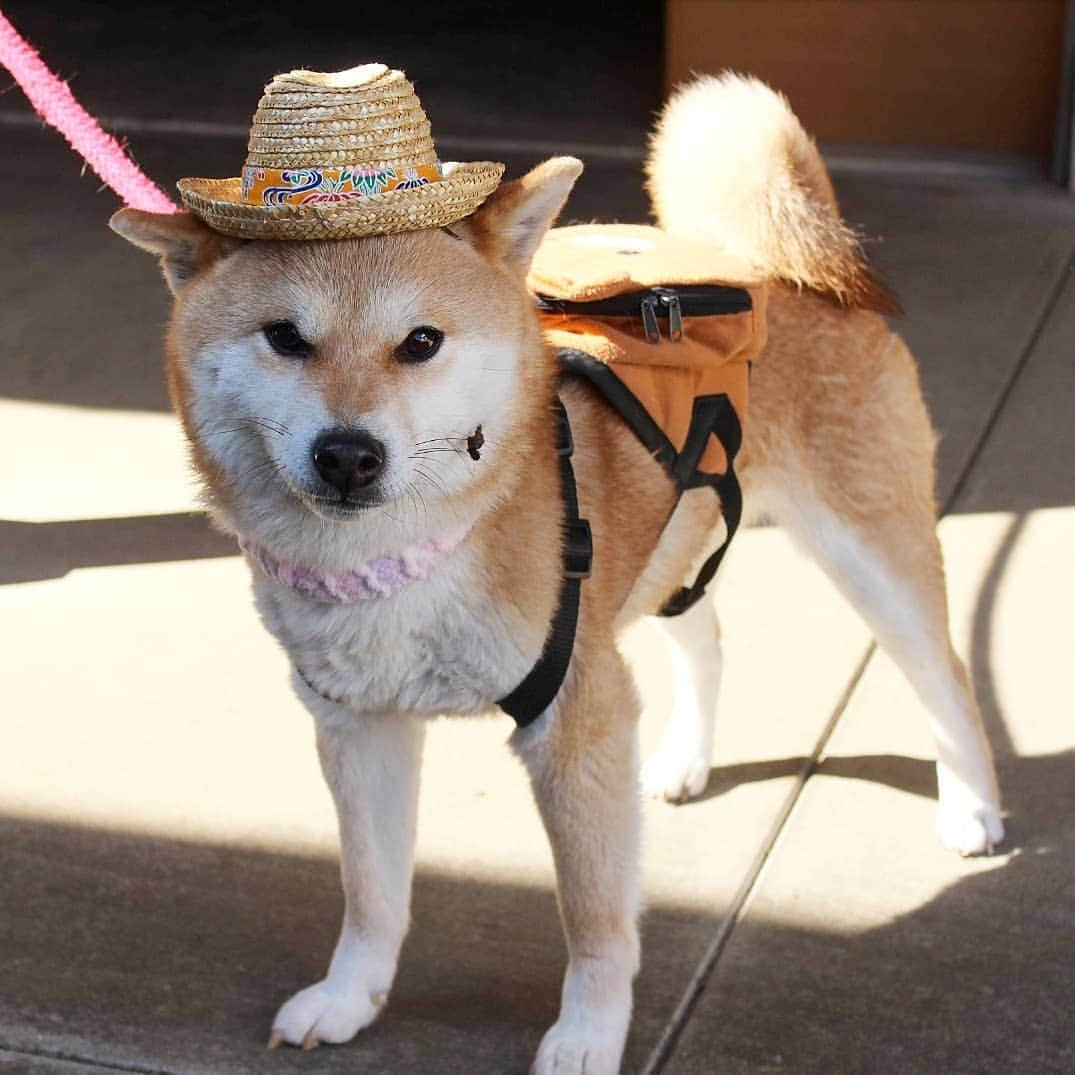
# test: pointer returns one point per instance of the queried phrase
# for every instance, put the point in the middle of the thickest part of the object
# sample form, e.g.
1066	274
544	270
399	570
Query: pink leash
55	103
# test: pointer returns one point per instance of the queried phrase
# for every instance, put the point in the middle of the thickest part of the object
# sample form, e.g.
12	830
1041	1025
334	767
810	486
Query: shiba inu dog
331	391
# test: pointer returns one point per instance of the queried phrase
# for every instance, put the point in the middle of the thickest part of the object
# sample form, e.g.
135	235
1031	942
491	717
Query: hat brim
220	204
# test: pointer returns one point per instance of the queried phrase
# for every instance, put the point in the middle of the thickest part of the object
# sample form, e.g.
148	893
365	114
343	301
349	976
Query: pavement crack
666	1044
64	1056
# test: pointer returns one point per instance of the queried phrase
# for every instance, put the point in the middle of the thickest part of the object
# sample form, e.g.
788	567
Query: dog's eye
286	340
421	343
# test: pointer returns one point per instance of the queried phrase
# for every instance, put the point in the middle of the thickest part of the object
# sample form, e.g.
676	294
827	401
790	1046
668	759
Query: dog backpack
665	329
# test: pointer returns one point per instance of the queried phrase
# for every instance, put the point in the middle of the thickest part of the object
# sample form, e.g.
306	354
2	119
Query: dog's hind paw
675	778
325	1012
970	828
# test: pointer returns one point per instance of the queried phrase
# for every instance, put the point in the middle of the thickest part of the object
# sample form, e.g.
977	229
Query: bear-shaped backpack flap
597	261
592	282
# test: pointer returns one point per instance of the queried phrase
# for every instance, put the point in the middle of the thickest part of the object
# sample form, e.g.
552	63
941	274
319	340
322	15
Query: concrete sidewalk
167	849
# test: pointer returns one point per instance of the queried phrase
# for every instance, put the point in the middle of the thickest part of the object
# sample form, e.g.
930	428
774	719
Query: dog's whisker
222	432
433	481
414	499
419	473
244	425
269	424
417	493
439	440
269	469
422	501
434	484
395	518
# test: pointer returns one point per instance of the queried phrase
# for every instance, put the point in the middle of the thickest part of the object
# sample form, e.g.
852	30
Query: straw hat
339	155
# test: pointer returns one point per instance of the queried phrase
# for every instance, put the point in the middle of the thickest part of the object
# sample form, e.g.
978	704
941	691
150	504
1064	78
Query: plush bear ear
184	244
511	223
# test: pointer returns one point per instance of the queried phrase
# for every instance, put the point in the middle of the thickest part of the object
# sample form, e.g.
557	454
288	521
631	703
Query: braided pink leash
55	103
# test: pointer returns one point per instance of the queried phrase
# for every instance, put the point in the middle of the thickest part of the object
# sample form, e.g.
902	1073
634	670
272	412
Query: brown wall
971	74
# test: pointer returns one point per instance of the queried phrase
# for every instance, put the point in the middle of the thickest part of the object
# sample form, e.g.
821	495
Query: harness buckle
578	549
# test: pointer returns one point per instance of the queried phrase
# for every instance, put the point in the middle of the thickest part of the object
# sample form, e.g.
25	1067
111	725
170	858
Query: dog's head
331	378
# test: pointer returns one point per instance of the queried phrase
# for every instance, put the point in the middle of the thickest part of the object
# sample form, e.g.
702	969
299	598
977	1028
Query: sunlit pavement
168	850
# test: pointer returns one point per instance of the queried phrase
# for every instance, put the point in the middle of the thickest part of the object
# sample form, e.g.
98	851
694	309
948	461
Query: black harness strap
623	401
713	415
710	416
536	693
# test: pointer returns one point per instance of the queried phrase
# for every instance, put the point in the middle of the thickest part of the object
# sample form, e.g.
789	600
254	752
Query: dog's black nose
348	459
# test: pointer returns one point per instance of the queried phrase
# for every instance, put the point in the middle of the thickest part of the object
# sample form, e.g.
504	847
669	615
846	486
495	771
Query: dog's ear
183	243
512	222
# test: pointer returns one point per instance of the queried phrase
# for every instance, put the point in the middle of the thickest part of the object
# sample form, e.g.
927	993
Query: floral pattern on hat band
314	186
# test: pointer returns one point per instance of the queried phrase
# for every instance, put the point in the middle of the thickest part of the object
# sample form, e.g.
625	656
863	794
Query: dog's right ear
513	221
183	243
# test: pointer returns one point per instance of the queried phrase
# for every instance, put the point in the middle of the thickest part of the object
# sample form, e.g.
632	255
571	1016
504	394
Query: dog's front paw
326	1012
970	827
570	1049
968	811
675	777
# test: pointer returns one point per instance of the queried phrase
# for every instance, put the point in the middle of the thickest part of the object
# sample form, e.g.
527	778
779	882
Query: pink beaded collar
382	576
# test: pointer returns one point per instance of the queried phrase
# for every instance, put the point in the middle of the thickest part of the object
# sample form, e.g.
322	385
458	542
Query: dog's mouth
339	507
330	504
424	483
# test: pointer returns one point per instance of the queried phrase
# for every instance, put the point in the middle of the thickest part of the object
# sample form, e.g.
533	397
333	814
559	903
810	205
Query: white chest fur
440	645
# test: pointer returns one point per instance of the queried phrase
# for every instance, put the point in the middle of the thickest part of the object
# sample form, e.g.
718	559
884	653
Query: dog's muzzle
349	461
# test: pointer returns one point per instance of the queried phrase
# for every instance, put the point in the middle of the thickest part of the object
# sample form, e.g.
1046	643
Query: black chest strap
711	416
536	693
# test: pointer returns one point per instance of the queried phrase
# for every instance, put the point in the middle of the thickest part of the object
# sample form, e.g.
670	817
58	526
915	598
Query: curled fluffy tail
730	163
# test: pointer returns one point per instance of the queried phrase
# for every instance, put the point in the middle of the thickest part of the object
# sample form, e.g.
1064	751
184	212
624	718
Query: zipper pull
670	299
649	319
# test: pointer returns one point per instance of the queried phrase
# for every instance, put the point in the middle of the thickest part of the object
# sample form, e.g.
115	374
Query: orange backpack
665	329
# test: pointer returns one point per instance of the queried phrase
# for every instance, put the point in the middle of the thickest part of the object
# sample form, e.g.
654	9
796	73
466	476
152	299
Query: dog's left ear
511	224
183	243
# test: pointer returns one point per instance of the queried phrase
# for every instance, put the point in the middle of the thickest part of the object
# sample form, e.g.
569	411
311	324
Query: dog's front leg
372	766
583	758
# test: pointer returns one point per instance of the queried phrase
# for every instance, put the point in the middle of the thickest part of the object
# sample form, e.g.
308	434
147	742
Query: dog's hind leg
889	566
582	757
679	769
858	495
372	767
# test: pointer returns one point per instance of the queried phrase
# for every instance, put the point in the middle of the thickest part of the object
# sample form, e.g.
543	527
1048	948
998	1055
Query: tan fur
838	446
836	397
731	163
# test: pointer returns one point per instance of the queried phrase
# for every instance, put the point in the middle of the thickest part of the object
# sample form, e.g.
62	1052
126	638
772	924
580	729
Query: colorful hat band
314	186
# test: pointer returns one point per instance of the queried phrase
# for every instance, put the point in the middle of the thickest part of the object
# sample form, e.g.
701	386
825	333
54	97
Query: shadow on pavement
977	980
914	775
136	949
36	551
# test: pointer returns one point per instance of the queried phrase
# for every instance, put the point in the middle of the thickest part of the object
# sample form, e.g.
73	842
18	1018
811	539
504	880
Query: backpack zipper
669	298
649	319
671	303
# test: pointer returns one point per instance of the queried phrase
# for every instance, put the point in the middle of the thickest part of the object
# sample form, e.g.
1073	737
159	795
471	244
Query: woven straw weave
395	113
367	118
